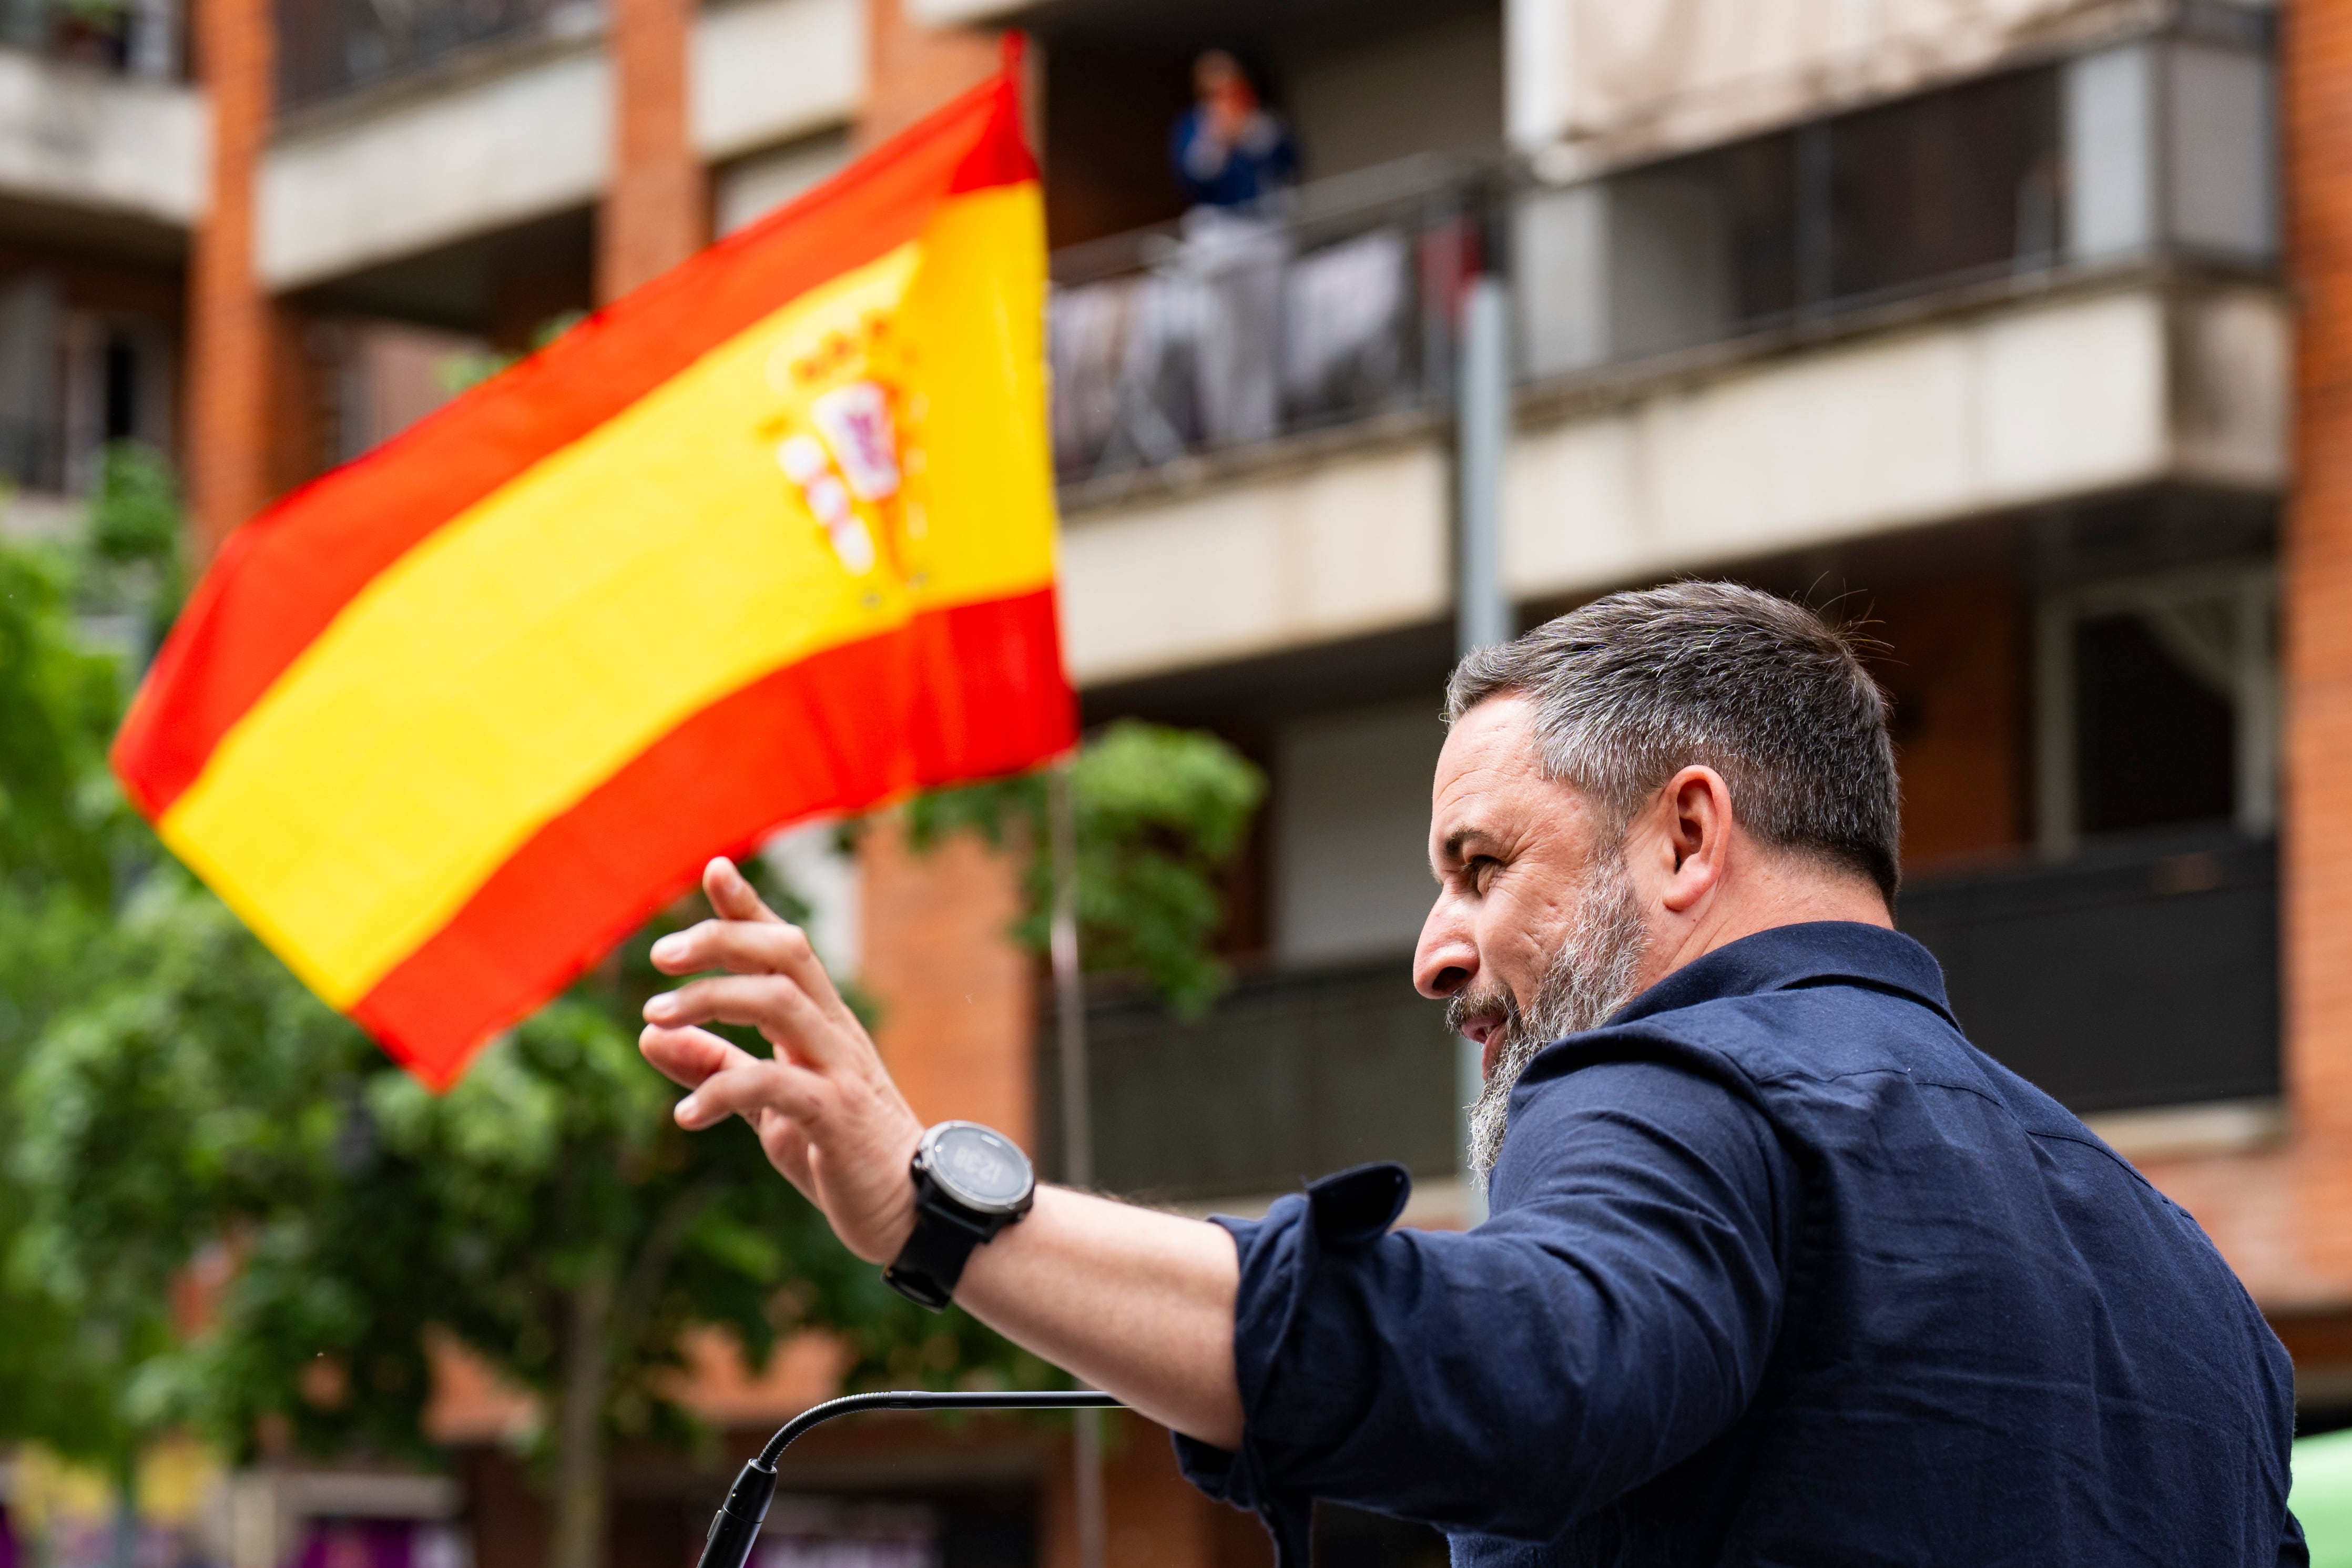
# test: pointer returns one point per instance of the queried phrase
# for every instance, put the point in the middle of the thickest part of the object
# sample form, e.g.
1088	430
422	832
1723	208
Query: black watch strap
928	1266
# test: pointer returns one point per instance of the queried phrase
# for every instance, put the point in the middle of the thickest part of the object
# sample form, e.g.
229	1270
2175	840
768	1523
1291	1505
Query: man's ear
1696	805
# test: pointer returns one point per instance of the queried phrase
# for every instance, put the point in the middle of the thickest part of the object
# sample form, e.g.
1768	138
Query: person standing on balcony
1229	150
1234	161
1780	1268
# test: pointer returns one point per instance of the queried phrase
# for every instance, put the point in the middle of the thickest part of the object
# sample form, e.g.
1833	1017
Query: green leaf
1160	813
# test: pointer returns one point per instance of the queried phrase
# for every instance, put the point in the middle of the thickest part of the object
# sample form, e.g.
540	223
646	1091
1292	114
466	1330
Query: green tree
168	1091
58	706
131	560
546	1213
1160	813
63	836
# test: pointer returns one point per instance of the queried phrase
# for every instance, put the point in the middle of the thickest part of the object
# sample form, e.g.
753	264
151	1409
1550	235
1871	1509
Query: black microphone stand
736	1526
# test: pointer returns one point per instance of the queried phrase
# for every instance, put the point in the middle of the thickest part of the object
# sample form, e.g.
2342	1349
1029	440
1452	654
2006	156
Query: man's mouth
1486	1033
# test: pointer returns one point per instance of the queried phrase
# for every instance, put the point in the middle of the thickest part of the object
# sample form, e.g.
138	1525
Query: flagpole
1078	1121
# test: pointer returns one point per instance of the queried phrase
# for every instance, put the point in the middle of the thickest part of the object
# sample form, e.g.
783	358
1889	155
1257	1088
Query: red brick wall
2283	1217
1153	1517
656	211
1952	660
234	337
913	69
2316	583
959	1013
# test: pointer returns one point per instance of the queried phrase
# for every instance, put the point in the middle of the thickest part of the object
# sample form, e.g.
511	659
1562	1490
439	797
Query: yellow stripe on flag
529	648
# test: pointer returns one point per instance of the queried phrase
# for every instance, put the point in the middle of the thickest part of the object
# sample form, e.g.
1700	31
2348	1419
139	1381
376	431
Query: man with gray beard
1591	976
1781	1270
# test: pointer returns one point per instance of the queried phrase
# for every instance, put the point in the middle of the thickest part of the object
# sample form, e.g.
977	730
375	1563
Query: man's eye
1481	872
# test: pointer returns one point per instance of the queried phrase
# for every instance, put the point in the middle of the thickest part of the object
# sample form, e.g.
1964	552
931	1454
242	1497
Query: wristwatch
971	1182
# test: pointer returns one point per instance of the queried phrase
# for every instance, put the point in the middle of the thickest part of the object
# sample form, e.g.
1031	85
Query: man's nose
1445	960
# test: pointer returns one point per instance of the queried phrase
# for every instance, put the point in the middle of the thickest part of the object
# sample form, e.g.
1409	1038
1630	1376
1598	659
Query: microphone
735	1527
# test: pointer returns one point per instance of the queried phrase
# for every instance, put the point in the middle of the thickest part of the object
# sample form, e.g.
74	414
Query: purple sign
356	1543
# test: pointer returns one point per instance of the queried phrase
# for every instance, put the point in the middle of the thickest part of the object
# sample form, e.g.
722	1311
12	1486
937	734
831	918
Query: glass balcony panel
1962	181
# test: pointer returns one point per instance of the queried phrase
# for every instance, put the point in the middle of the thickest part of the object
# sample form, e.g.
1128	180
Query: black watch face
979	1168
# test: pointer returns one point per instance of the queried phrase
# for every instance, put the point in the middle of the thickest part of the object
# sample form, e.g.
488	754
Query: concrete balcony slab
410	167
76	138
1945	411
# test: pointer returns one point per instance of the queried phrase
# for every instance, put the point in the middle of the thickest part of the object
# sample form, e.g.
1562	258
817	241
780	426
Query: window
2157	705
2135	962
2155	728
1962	181
1922	193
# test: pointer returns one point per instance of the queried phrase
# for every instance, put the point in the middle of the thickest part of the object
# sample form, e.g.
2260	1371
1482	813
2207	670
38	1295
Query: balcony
1292	1075
2020	292
1337	307
101	141
2141	974
328	49
123	37
443	156
1234	328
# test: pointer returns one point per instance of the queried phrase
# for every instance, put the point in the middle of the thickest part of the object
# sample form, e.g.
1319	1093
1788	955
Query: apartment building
102	176
2011	329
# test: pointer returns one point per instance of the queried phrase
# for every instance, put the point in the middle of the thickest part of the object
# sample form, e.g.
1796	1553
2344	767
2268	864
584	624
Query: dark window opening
2155	735
120	389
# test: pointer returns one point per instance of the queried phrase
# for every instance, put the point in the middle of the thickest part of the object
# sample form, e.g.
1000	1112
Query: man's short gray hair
1631	688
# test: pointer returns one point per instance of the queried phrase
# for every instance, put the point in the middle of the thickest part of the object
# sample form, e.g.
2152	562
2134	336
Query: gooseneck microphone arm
736	1526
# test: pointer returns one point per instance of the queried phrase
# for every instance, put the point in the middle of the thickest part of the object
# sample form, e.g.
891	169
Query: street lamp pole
1482	599
1077	1118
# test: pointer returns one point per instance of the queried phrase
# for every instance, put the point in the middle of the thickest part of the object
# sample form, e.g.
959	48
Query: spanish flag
770	537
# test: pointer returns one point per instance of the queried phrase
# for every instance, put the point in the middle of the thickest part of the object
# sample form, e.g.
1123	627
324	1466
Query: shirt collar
1785	958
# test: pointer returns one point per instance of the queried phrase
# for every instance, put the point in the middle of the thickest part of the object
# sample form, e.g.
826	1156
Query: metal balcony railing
1236	326
1292	1075
1338	304
2142	972
130	38
327	49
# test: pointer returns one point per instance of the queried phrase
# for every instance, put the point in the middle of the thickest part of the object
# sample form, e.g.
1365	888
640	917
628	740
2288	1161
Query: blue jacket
1262	161
1781	1270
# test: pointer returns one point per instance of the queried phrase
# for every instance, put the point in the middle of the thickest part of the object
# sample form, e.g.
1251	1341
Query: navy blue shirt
1780	1270
1260	161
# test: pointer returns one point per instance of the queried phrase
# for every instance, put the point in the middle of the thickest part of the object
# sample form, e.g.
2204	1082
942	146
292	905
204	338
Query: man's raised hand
824	1108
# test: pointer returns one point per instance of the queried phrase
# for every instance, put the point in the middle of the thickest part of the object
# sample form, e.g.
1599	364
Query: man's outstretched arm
1134	1302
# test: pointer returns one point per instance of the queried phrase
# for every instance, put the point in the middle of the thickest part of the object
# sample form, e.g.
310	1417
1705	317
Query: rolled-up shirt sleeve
1614	1315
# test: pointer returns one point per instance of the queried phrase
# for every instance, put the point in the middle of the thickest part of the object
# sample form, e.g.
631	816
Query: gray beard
1590	977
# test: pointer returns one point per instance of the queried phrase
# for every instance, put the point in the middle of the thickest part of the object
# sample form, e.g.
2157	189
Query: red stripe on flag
283	578
807	740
